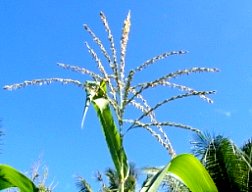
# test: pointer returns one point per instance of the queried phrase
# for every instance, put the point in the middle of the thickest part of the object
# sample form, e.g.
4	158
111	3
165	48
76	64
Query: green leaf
187	169
112	135
228	165
10	177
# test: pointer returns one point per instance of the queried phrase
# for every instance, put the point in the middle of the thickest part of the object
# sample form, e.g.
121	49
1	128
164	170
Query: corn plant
112	89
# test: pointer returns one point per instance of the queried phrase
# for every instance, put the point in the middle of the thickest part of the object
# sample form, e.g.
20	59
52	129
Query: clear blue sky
45	121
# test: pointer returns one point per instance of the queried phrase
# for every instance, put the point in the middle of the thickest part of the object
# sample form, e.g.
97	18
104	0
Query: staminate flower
121	92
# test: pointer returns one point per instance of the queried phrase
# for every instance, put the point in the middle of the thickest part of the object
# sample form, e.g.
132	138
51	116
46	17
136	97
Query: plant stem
121	186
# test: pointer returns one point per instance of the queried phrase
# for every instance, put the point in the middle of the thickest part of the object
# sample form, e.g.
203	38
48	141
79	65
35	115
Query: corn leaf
111	133
10	177
187	169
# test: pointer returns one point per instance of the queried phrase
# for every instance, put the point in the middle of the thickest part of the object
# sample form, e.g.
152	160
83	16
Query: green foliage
112	136
82	185
185	168
130	182
229	166
116	91
10	177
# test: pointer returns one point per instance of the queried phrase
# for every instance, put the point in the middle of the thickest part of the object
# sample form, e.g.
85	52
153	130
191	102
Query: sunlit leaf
187	169
112	135
10	177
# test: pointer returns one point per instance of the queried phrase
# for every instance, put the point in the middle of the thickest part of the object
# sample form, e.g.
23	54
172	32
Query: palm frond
200	144
247	149
130	183
225	162
83	185
113	179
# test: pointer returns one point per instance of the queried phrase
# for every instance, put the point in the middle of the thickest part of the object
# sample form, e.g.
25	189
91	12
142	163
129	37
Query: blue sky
44	122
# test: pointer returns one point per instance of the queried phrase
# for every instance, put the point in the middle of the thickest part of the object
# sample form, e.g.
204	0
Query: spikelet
157	58
188	71
98	42
169	76
143	109
154	84
97	60
185	88
170	124
40	82
100	67
124	41
144	102
81	70
167	145
154	60
126	91
175	98
113	63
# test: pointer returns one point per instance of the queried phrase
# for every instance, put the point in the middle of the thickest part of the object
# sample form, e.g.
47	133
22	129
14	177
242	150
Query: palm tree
130	184
229	166
113	181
